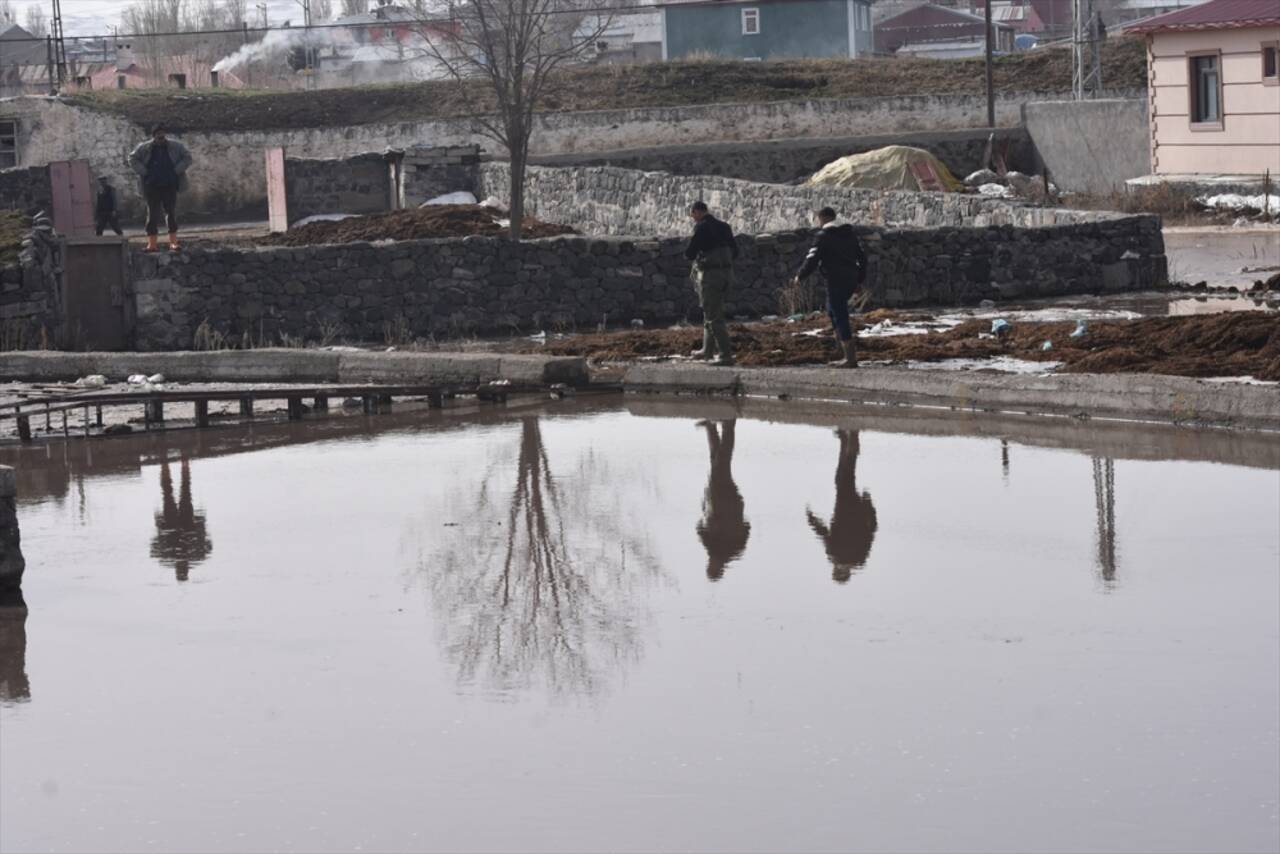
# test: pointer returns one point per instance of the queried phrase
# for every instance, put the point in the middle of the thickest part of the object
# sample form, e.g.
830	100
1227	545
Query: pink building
1214	86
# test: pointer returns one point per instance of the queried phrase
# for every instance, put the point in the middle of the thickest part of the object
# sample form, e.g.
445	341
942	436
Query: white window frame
751	13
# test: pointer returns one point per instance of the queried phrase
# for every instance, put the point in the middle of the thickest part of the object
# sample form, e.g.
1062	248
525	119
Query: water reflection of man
723	529
15	687
181	540
853	519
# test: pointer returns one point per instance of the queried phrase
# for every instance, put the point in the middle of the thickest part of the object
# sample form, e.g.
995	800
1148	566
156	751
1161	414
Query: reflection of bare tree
182	538
15	687
723	528
853	519
545	587
1104	496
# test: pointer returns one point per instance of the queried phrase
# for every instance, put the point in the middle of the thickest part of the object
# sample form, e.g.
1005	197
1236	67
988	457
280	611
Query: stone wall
608	200
448	288
228	178
27	189
31	291
783	161
12	564
1091	146
353	185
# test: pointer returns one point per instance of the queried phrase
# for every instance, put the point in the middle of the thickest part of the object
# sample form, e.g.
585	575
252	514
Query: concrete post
12	564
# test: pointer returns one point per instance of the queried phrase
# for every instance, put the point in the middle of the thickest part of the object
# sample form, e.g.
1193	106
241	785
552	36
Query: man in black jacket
838	254
712	250
105	213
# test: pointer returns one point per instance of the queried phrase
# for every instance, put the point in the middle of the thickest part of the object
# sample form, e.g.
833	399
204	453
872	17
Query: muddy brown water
646	626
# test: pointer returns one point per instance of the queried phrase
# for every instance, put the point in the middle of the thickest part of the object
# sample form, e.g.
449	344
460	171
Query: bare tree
37	21
354	7
8	14
322	10
512	51
183	36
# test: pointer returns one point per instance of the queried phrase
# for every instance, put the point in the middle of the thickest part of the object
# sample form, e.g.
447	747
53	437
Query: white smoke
278	42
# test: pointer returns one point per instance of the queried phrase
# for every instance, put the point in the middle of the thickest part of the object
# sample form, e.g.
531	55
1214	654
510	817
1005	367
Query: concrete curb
296	366
1136	397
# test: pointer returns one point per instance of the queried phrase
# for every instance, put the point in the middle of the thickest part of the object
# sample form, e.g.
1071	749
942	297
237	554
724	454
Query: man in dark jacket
105	213
838	254
712	250
161	166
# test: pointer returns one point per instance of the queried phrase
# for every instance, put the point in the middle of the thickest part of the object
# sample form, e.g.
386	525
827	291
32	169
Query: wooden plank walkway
373	398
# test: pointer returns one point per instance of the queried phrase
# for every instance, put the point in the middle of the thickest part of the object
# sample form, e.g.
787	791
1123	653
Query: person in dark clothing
838	254
852	529
182	536
105	214
723	528
161	166
712	249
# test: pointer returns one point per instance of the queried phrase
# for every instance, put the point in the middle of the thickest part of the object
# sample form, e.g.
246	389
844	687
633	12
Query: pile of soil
1219	345
601	87
412	224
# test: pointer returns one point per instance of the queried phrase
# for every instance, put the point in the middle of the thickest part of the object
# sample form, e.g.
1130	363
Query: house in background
1046	19
627	37
1213	77
939	32
766	29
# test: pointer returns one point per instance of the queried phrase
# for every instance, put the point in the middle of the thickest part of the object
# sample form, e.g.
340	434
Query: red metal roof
1214	15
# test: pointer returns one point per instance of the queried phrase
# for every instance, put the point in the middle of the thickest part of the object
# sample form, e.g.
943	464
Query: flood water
646	626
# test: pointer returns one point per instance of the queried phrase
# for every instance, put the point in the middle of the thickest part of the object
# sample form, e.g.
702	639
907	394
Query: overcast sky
97	17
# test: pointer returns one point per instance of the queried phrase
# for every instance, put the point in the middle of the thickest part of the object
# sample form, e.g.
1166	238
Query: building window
121	81
1206	91
178	80
751	22
1271	64
8	143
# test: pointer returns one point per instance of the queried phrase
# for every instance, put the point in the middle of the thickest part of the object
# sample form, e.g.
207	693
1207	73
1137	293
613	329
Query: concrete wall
228	180
1247	140
1091	146
607	200
451	288
782	161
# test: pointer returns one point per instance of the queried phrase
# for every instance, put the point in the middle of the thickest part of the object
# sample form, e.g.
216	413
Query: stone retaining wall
783	161
609	200
26	189
353	185
12	564
31	310
451	288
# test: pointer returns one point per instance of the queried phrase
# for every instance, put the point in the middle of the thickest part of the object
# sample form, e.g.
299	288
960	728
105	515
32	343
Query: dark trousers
161	199
103	220
838	296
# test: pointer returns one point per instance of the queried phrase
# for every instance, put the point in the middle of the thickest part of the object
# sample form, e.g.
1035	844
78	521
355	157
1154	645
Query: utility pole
59	44
1086	52
307	51
991	95
262	7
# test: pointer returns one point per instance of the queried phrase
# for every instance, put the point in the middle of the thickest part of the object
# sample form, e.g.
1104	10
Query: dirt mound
607	87
1230	344
412	224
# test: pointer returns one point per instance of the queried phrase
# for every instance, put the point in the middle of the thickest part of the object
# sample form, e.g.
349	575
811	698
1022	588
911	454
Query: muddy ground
1222	345
620	86
412	224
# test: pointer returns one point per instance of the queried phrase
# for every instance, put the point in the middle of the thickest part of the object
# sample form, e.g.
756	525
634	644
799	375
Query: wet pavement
646	625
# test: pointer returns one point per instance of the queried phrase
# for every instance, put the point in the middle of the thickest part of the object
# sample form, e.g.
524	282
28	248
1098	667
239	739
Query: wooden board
73	197
277	203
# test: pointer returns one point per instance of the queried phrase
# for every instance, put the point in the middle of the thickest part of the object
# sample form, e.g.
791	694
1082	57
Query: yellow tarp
888	168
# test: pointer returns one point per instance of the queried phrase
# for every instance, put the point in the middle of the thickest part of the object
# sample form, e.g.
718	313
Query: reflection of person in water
181	540
723	529
15	687
853	520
